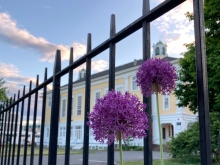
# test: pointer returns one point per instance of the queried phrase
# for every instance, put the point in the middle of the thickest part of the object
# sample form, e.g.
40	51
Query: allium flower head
118	112
159	72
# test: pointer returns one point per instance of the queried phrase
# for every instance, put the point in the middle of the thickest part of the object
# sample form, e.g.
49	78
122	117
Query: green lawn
166	162
60	151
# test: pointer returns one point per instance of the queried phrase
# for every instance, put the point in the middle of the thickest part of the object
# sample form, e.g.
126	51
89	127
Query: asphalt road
99	158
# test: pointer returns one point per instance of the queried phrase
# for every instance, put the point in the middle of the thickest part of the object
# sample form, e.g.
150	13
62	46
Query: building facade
174	119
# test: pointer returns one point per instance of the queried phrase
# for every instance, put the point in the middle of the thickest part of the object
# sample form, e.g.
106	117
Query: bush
185	146
132	148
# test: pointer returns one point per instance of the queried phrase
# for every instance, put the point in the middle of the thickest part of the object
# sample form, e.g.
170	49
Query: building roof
119	68
159	43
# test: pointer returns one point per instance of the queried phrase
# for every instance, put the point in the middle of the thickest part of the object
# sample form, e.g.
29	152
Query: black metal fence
8	150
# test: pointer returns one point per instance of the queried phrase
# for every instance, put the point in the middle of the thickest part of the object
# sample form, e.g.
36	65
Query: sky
32	31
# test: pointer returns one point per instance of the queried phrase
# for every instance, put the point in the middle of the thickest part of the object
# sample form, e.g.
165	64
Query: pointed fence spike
54	120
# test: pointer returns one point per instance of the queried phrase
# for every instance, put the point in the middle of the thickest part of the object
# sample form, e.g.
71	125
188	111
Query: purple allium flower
156	72
118	112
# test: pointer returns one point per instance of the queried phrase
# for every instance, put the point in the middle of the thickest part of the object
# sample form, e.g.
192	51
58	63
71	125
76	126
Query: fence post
11	127
34	123
7	135
54	120
219	148
69	111
87	103
27	125
20	128
202	84
15	130
111	84
148	160
42	121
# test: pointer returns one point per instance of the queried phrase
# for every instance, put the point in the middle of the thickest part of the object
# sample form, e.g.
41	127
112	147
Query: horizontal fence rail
12	112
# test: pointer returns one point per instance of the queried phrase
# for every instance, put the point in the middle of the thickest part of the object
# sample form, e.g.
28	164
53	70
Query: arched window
164	52
157	51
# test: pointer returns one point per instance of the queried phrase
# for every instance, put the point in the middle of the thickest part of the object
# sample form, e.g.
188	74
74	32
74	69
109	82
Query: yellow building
174	119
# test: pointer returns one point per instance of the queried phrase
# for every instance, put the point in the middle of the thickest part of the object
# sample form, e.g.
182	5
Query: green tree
185	146
186	90
3	91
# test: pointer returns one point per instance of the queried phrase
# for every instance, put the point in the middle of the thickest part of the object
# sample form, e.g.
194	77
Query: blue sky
31	31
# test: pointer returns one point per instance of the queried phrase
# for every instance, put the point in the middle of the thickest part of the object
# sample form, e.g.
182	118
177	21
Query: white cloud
96	65
21	38
176	29
15	81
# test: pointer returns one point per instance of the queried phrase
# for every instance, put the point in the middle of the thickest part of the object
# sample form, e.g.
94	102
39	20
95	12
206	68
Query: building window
78	132
64	131
164	51
119	88
49	101
79	105
157	50
97	95
48	132
71	131
61	131
63	107
134	83
166	102
164	133
106	91
72	106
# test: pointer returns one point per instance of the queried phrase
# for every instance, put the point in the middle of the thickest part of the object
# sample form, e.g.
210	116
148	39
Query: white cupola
159	50
82	73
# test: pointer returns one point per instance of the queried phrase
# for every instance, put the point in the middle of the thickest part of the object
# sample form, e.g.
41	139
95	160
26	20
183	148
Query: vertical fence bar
148	160
54	122
69	111
87	103
11	135
15	131
202	84
219	148
111	84
34	123
1	138
20	129
6	116
9	120
42	121
27	125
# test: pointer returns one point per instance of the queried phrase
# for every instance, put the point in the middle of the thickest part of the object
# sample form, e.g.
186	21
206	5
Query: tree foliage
3	90
185	146
186	90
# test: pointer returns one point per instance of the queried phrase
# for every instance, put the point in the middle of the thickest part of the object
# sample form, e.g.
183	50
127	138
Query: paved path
99	158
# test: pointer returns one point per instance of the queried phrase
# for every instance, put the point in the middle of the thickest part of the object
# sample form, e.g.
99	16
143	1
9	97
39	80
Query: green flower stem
159	127
120	148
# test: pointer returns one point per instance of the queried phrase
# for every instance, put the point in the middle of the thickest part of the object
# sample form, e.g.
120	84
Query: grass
60	151
166	162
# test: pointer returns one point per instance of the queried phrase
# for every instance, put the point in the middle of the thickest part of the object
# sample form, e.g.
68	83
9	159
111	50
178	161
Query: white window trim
166	96
50	101
61	105
119	85
96	91
131	82
80	131
77	104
